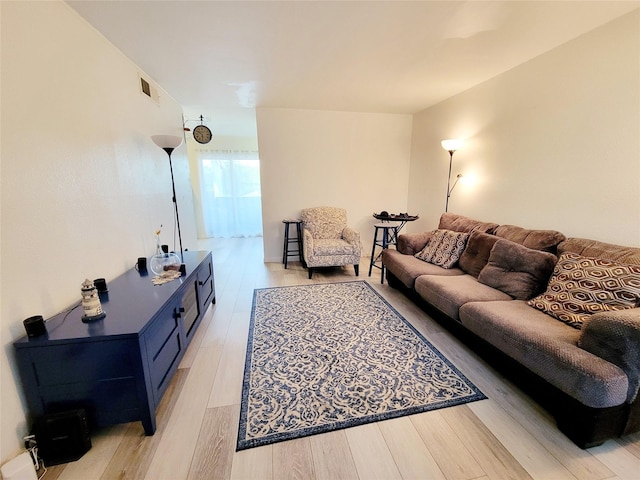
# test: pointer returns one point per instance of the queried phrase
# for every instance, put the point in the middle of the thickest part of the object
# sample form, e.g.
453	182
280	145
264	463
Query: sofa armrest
412	243
615	337
351	235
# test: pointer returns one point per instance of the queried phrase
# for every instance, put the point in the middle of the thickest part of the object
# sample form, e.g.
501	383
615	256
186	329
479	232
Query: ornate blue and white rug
328	356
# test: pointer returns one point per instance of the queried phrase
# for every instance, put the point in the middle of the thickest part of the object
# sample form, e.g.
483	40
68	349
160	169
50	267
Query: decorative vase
161	262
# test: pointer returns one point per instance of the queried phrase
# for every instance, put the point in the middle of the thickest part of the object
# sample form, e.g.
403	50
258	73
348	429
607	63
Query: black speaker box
62	437
35	326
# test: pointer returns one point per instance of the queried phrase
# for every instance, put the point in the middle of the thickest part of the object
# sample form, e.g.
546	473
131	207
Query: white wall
553	143
309	158
83	186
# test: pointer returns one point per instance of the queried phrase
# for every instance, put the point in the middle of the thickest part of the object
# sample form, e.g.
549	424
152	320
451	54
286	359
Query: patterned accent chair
327	240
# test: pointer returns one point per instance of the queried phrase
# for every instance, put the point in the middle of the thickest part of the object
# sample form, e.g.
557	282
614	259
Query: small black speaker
62	437
35	326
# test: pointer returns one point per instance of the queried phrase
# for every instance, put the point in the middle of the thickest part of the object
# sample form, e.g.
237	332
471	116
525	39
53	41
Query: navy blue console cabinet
119	367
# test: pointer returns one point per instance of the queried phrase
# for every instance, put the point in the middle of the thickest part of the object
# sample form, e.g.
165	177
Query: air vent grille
149	89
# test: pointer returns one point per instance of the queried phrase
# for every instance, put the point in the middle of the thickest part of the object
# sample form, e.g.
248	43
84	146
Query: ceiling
223	58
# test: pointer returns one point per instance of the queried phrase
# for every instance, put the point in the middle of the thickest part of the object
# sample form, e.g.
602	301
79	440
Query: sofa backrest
596	249
460	223
545	240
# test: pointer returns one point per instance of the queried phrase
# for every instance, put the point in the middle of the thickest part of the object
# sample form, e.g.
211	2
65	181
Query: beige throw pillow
444	248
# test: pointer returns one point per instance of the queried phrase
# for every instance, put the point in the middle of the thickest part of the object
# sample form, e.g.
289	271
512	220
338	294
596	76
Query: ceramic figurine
91	302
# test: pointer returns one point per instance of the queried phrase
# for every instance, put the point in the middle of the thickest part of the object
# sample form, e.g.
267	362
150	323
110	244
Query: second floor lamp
169	143
451	145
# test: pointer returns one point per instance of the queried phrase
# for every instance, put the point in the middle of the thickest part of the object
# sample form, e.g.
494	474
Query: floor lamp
451	145
169	143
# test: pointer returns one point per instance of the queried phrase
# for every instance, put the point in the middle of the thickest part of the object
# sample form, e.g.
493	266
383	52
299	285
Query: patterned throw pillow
444	248
581	286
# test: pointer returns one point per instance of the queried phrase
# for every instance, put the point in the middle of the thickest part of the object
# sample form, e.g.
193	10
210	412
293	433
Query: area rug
323	357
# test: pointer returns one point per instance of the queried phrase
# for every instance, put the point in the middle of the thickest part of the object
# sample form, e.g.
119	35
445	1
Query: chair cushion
333	246
324	222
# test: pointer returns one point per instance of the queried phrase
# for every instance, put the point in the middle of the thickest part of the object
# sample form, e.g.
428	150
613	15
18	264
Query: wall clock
202	134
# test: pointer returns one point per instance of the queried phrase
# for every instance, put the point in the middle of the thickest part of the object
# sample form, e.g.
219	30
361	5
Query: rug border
242	444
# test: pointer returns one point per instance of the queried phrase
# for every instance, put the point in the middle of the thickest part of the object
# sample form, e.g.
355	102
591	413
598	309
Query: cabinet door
206	285
164	350
102	377
190	311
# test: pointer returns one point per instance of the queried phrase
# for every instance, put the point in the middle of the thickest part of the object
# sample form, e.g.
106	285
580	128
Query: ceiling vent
148	88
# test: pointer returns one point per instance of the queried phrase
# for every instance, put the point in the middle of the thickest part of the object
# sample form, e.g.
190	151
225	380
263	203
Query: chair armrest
412	243
307	244
615	337
350	235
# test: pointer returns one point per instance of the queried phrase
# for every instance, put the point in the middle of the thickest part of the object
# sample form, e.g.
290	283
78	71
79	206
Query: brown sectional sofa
587	377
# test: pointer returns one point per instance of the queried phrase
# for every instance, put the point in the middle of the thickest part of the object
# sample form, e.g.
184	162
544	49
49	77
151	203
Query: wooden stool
286	251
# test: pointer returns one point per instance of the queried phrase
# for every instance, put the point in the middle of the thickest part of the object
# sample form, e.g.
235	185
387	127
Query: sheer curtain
231	200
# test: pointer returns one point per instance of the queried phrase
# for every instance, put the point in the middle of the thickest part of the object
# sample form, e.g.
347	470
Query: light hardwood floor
507	436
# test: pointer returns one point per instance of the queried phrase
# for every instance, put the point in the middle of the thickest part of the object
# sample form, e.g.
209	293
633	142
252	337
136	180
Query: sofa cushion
581	286
596	249
549	349
407	268
460	223
517	270
476	254
444	248
545	240
448	294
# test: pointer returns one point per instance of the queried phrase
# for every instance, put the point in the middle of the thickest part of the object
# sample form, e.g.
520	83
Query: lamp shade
167	141
452	144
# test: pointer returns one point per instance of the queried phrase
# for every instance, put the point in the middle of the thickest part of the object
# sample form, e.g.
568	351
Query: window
231	200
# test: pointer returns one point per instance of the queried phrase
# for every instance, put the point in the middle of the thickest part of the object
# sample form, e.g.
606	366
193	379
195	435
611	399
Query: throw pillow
444	248
581	286
476	254
517	270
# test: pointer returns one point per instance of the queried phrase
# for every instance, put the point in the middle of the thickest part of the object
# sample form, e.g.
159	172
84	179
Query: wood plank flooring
507	436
